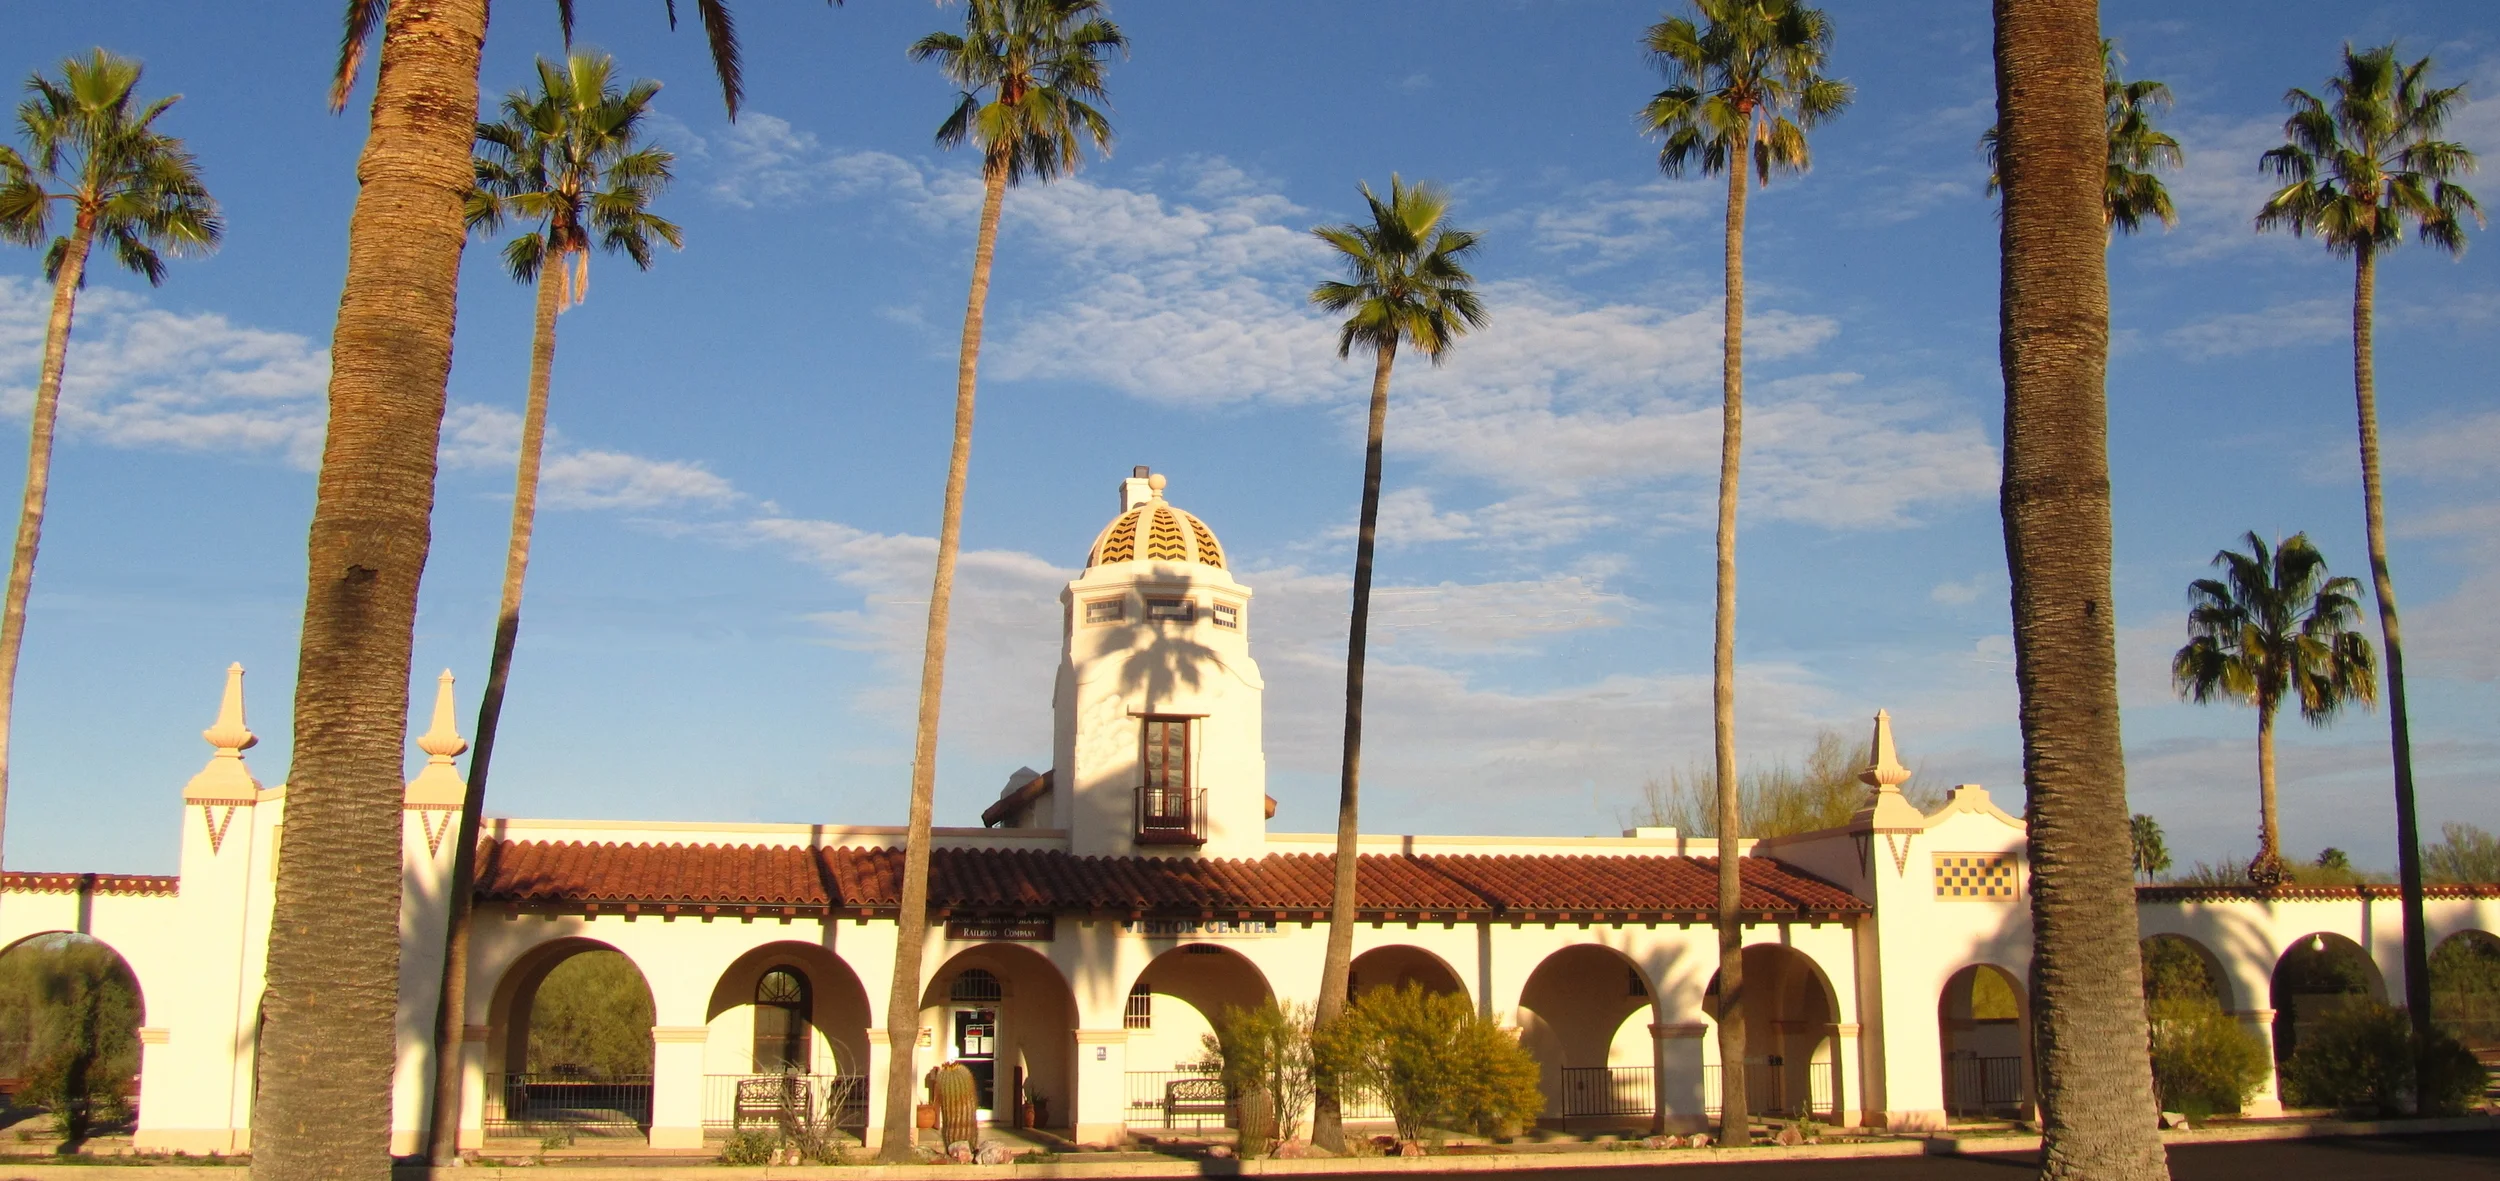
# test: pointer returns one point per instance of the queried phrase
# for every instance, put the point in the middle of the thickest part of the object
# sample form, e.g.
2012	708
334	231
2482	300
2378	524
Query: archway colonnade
1621	1018
2279	979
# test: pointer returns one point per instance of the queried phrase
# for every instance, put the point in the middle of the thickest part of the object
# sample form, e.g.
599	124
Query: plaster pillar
1100	1113
880	1064
677	1085
473	1087
1847	1108
1681	1105
2268	1101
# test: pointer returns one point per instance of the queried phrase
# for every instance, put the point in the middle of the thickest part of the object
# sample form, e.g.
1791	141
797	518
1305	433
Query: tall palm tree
2131	184
2096	1084
1031	74
1406	283
93	153
2275	625
1742	88
328	1044
569	160
2358	167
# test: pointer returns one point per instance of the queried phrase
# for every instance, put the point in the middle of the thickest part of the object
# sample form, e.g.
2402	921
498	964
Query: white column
880	1065
1681	1105
2268	1101
1846	1069
677	1085
473	1086
1099	1113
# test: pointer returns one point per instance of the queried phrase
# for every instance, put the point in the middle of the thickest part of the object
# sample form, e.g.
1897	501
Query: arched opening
1980	1016
1399	965
1007	1014
1791	1037
786	1042
569	1046
1173	1007
2465	991
1584	1015
2180	971
70	1011
2319	975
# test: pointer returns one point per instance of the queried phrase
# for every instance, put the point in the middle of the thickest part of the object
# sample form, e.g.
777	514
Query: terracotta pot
926	1115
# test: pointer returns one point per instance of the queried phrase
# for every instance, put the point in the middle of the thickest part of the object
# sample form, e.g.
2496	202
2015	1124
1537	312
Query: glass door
975	1044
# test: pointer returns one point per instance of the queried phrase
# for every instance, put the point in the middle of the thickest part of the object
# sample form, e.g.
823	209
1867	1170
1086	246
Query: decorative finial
1884	771
230	736
442	741
438	783
1156	482
225	778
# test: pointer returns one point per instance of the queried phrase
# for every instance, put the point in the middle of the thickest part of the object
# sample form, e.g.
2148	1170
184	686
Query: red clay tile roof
1020	880
2305	893
99	883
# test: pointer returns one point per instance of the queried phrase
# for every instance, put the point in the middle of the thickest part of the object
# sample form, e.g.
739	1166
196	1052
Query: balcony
1171	816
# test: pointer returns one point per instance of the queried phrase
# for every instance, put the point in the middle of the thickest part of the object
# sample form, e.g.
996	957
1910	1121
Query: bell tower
1157	713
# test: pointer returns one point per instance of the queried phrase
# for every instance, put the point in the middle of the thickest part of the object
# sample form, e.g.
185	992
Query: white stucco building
1104	910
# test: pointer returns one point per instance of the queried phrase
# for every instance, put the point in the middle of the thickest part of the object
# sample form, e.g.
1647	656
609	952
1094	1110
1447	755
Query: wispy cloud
144	378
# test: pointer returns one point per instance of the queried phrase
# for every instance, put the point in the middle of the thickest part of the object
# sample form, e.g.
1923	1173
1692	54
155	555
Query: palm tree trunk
2267	870
451	1010
2400	737
911	921
38	484
1735	1123
1327	1108
2089	1028
328	1047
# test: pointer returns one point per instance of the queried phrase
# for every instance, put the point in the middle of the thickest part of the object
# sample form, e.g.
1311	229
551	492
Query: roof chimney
1137	489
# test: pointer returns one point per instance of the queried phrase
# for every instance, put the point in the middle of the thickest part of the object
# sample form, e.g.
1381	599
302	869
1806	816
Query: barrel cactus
1256	1114
958	1098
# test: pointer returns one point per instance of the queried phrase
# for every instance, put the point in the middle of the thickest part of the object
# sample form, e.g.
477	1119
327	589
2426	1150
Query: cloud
2452	448
139	377
1612	221
2296	324
1965	592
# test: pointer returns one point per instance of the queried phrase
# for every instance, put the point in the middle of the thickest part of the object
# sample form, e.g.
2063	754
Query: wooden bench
1195	1098
782	1099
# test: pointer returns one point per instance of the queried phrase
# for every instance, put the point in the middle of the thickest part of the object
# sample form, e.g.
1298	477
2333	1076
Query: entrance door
975	1045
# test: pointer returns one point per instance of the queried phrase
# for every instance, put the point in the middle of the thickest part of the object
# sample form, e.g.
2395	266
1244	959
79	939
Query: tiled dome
1153	531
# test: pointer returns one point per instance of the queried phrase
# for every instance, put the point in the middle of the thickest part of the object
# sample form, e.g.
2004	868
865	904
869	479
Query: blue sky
724	606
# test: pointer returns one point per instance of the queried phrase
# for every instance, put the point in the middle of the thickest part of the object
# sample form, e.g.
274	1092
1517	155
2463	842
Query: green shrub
1266	1050
2454	1079
2203	1060
749	1148
1433	1060
2361	1057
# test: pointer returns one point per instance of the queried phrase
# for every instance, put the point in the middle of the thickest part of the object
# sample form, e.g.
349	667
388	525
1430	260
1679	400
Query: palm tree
1742	88
1406	283
569	160
1031	72
2358	167
2131	187
2089	1030
2146	847
2275	625
93	152
328	1044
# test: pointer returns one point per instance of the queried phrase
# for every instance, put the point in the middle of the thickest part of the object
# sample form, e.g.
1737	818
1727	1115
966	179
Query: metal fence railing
1146	1089
1977	1086
524	1103
1598	1091
1767	1090
835	1101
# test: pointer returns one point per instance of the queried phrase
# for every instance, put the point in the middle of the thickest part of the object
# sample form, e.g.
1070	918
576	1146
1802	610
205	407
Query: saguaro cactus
958	1098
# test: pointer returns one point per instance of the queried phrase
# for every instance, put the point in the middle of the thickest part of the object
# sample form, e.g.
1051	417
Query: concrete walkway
1125	1165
